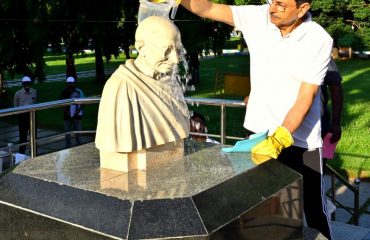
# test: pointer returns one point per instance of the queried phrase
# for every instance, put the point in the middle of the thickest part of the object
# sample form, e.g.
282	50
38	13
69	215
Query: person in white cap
72	114
23	97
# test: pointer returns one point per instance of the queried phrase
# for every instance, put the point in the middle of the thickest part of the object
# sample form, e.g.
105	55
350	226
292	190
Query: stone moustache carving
142	106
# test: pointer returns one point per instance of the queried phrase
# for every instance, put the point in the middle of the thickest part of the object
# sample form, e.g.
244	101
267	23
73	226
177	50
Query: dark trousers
72	125
309	164
23	128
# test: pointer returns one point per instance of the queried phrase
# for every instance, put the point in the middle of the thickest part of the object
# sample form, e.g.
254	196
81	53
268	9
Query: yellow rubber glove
273	145
258	159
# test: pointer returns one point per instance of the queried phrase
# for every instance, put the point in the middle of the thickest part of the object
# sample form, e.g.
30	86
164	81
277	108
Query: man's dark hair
198	115
299	2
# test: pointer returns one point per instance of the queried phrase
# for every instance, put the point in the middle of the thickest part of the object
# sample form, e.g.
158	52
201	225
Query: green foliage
234	43
22	37
202	34
251	2
347	21
94	24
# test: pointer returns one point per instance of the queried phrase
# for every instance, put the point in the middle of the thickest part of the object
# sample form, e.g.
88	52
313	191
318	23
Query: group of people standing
72	114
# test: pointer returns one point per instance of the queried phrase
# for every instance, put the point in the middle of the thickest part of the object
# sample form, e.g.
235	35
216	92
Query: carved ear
139	45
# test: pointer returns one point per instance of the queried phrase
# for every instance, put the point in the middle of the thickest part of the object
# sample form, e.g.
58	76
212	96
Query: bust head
158	42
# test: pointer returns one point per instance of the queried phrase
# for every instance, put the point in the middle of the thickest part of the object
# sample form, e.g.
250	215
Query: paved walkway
342	230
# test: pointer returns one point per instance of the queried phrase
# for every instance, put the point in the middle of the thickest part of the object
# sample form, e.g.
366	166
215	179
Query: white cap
26	79
70	80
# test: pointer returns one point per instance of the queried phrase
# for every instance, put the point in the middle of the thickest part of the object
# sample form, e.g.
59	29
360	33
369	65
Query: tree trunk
2	84
194	69
99	64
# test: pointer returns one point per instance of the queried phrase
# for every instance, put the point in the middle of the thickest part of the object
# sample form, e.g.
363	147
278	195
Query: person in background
23	97
198	125
72	114
289	57
330	120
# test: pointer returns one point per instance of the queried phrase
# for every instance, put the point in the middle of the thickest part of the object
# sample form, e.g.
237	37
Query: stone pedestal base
142	159
206	195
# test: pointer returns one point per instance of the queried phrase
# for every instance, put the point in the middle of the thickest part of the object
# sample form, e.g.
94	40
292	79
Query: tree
90	23
200	35
129	25
347	21
22	37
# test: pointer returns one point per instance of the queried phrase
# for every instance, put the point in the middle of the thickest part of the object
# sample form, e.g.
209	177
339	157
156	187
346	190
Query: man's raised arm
207	9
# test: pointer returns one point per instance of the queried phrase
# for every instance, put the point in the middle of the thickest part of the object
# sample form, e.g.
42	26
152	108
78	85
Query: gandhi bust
138	108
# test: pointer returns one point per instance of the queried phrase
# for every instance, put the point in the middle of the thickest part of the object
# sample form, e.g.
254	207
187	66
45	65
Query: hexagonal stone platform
205	195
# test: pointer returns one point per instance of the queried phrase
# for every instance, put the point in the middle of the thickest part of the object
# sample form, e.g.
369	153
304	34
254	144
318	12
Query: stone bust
140	106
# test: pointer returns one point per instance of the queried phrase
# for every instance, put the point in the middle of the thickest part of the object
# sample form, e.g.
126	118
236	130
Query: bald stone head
158	42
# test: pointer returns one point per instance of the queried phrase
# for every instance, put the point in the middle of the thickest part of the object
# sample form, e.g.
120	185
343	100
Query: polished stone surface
195	198
85	208
78	167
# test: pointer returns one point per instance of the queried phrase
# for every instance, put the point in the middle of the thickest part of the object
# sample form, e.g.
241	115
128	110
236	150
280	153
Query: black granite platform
205	195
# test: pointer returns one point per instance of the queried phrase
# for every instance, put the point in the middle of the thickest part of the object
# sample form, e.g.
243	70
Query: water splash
181	72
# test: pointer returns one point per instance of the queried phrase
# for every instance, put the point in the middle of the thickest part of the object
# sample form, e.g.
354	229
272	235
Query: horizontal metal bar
214	135
214	102
94	100
47	105
341	179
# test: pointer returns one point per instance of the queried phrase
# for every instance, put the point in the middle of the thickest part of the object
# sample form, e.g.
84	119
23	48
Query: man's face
283	13
26	86
70	85
197	125
163	54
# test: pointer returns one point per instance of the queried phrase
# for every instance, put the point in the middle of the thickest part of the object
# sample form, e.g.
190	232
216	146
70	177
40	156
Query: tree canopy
28	27
347	21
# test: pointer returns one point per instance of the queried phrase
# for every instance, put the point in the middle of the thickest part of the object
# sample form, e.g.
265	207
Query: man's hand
336	132
245	100
274	144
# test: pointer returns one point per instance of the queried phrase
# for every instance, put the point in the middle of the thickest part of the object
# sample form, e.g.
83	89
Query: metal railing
355	211
32	109
222	103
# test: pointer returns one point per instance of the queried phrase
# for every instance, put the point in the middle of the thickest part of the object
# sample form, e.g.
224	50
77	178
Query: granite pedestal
205	195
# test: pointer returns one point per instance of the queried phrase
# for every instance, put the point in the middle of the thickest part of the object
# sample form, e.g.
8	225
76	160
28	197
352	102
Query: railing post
33	130
333	197
11	156
223	124
357	202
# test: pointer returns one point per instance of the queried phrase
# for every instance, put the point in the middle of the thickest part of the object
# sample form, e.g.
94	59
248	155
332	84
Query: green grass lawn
83	62
354	148
353	158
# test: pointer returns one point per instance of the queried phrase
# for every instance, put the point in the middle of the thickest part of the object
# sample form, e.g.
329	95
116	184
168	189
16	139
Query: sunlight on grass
355	91
353	150
57	64
355	74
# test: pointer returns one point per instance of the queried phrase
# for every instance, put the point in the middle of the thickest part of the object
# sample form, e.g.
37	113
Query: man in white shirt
289	55
23	97
72	115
